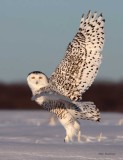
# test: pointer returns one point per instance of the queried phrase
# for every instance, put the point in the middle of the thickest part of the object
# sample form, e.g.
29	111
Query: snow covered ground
26	135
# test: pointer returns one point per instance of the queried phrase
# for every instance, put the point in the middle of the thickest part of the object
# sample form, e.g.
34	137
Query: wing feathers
78	69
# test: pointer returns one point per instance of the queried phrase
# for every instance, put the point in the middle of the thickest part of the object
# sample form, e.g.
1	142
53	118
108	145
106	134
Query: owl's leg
77	127
67	120
70	133
73	130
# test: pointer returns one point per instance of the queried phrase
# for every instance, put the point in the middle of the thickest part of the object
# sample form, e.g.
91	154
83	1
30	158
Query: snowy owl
61	94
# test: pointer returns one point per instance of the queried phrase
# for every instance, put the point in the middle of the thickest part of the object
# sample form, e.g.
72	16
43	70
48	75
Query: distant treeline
107	96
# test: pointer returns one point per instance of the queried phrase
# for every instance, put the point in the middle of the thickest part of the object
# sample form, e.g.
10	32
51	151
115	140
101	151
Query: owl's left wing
76	72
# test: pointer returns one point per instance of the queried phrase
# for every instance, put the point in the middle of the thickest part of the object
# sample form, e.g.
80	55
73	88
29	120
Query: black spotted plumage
78	69
61	94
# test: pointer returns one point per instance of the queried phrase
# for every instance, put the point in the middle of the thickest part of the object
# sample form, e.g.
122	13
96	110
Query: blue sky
34	35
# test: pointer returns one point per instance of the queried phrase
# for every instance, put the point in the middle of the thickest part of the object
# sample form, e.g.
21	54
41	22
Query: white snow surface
26	135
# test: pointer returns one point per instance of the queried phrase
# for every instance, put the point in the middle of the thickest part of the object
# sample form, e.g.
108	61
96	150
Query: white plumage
61	94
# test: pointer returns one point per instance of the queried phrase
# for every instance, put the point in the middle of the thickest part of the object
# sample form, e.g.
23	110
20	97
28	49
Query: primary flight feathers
78	69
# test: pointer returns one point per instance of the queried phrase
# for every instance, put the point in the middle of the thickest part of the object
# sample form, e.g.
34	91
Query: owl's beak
36	82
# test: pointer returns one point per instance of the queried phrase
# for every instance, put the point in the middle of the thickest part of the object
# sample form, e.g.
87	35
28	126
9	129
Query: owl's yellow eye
32	77
40	77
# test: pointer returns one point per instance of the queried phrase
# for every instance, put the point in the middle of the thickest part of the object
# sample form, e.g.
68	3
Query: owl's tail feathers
92	27
87	111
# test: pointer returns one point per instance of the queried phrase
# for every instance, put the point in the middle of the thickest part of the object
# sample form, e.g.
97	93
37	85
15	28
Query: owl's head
37	80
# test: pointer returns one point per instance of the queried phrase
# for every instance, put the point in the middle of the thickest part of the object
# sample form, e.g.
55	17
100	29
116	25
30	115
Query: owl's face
37	80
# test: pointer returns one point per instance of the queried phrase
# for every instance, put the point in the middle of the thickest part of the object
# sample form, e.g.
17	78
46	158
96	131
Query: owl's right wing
60	105
77	71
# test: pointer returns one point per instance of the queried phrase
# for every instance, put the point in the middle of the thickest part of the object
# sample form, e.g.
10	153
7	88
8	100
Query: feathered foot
78	131
73	131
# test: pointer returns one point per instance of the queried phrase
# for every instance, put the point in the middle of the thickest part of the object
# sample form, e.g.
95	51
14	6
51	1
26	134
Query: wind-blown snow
26	135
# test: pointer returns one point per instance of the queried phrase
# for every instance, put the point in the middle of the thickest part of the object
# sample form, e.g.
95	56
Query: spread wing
78	69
